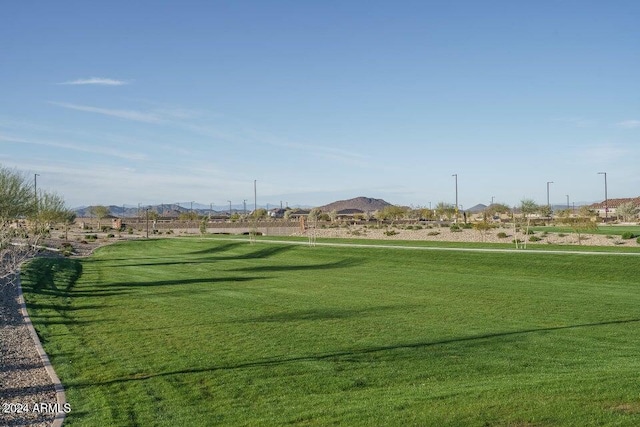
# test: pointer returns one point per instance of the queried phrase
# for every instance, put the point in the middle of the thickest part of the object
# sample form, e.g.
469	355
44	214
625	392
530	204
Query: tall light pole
244	203
35	195
35	187
456	177
568	207
606	199
492	197
229	208
255	196
548	182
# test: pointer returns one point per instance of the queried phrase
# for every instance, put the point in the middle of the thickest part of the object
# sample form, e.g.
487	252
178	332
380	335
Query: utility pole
244	203
606	199
229	208
456	176
548	182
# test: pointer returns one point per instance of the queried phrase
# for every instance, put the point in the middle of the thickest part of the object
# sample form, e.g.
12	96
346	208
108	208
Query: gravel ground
444	234
23	378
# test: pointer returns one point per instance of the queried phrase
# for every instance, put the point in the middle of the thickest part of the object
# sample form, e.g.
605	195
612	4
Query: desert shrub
390	233
638	240
129	230
91	237
433	233
530	232
561	235
455	228
110	235
516	241
66	249
467	226
356	233
502	235
609	237
628	235
535	238
105	228
409	227
418	227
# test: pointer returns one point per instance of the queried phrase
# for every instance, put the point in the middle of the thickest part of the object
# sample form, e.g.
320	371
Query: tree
527	207
259	214
497	209
627	211
445	210
100	212
580	225
483	226
18	203
51	210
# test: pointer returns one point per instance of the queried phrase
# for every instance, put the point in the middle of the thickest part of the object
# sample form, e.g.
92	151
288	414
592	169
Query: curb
60	396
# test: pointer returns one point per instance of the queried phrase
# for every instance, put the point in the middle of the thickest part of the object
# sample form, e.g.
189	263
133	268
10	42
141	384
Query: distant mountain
477	208
365	204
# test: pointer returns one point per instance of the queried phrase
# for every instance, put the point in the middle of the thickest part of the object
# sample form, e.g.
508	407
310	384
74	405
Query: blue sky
161	102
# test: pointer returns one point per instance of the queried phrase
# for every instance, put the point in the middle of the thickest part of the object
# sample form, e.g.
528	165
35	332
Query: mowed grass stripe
209	331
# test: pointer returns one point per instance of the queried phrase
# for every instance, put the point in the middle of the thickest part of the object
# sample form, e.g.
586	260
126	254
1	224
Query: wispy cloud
137	116
575	121
603	154
96	81
629	124
123	154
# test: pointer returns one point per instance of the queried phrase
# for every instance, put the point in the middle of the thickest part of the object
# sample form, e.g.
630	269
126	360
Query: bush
390	233
110	235
91	237
455	228
502	235
433	233
561	235
628	235
534	239
530	232
66	249
638	240
105	228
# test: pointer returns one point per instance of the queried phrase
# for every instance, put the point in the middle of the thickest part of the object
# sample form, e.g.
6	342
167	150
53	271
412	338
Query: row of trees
25	218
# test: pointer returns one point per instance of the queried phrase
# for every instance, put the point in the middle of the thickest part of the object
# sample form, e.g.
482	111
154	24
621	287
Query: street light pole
568	202
229	208
548	182
456	177
606	199
244	202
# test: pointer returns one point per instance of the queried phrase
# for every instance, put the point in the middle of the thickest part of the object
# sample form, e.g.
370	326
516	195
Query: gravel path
23	377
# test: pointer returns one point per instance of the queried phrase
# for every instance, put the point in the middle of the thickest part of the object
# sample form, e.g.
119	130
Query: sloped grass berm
200	332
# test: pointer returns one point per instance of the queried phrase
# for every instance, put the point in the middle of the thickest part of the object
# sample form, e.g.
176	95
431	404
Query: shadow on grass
345	263
218	248
322	314
53	276
341	354
184	259
122	286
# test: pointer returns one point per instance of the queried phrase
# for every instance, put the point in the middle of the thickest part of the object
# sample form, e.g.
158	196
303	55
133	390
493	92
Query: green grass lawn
202	332
609	230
